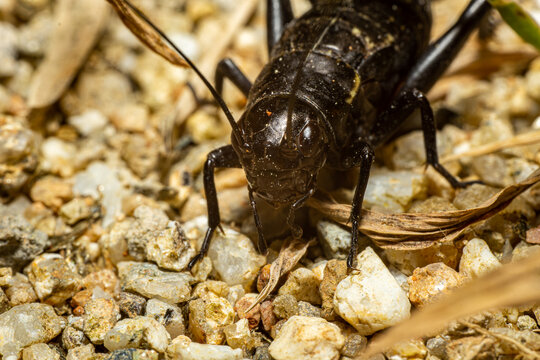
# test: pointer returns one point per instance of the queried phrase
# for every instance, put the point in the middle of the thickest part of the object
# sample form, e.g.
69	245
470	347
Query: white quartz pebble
307	338
183	348
477	259
370	299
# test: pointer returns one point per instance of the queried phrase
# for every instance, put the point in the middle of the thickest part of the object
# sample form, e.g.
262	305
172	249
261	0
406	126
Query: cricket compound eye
309	140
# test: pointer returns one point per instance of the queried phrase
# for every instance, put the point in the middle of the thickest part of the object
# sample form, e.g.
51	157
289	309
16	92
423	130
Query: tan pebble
427	283
254	315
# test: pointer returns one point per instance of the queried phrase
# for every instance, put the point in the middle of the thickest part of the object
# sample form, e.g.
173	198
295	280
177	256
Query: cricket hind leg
440	54
223	157
278	14
227	68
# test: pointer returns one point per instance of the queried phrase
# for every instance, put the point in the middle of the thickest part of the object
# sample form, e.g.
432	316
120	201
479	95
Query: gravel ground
103	208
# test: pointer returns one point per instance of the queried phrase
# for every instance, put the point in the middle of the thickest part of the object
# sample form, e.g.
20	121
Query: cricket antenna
235	129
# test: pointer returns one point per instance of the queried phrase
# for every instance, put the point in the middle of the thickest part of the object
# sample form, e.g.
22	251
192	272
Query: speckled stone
40	352
170	249
208	317
307	338
20	243
131	305
239	336
170	316
20	291
138	332
147	280
27	324
303	285
100	315
53	278
183	348
428	283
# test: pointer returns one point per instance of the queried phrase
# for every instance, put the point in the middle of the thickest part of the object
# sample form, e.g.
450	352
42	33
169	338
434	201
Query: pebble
428	283
170	316
211	288
8	50
141	152
394	191
254	315
102	182
335	241
40	352
4	302
105	279
525	322
52	191
131	305
33	38
170	249
89	122
72	338
19	241
20	291
100	315
147	280
138	332
285	306
208	317
59	157
407	261
18	155
132	117
149	222
303	285
53	278
84	352
183	348
477	259
371	299
334	272
233	255
412	349
76	210
239	336
27	324
306	309
354	345
133	354
307	338
268	318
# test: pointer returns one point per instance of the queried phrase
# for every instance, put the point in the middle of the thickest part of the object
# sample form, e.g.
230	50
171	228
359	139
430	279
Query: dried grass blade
414	231
79	23
289	255
513	284
527	138
132	17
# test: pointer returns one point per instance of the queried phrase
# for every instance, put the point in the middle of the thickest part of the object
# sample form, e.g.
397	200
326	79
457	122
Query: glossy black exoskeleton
340	81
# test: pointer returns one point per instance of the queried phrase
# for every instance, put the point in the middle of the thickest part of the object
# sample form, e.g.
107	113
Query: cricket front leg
362	156
224	157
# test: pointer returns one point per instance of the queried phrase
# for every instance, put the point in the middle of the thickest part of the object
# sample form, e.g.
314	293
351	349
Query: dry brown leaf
512	284
417	230
134	20
79	24
290	254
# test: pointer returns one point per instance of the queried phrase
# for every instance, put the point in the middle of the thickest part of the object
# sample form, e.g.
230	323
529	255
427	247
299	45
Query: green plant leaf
519	20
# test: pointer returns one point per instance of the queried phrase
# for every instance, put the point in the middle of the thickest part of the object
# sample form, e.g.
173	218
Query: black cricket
340	81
